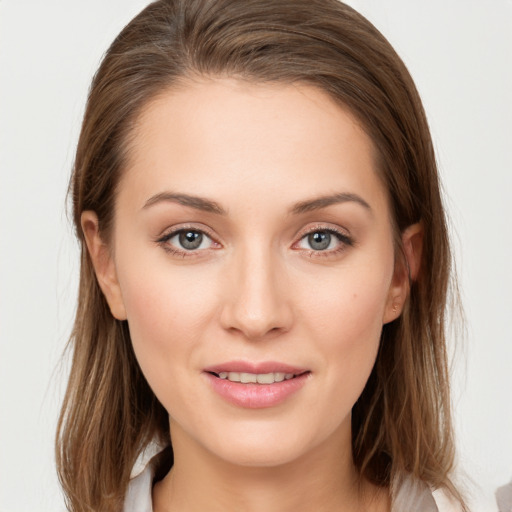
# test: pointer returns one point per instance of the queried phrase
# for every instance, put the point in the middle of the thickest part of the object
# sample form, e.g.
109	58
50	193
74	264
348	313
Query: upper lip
256	368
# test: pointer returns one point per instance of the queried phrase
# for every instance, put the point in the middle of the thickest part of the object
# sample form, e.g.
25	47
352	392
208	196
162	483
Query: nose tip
257	305
254	322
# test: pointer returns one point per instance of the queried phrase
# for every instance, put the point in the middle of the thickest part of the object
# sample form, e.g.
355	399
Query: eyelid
177	228
343	233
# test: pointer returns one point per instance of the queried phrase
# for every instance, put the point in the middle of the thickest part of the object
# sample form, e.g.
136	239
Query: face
252	255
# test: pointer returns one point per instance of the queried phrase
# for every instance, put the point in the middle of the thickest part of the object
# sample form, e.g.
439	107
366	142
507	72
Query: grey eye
319	240
186	241
190	240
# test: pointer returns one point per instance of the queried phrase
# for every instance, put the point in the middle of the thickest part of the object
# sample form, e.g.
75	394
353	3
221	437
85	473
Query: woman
264	271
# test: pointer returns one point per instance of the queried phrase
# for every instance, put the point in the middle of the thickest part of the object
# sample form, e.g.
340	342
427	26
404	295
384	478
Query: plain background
460	54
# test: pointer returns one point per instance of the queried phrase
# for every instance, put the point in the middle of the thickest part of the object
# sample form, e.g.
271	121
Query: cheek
354	336
349	305
167	313
346	320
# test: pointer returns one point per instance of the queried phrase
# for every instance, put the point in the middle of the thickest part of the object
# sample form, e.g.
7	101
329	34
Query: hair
401	423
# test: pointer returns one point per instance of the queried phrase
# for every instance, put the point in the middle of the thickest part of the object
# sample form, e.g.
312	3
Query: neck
324	480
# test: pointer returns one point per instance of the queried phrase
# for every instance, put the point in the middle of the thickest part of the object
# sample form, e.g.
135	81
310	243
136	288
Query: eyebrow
199	203
325	201
207	205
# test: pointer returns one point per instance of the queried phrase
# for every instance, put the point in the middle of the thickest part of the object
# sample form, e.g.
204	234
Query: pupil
190	239
319	240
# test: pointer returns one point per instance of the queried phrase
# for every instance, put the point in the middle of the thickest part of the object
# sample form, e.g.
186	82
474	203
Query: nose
257	303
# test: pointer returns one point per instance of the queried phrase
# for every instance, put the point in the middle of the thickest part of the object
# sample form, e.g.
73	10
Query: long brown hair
401	423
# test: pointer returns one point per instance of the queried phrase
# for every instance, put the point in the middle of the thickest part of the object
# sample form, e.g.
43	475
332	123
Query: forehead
210	135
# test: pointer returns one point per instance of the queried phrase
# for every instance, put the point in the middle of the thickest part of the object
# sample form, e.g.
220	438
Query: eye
324	240
186	240
319	241
190	240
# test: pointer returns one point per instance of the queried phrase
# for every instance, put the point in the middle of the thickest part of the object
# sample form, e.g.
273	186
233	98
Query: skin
256	290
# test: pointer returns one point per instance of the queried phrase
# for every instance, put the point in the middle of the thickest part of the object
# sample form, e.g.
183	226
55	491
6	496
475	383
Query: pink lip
247	367
256	396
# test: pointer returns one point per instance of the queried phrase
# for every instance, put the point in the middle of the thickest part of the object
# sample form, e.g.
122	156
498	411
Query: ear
103	264
406	271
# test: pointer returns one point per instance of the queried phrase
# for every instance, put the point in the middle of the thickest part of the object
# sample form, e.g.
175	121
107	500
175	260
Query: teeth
248	377
260	378
265	378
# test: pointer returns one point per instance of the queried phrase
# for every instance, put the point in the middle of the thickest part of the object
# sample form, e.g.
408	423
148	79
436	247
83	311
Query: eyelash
344	240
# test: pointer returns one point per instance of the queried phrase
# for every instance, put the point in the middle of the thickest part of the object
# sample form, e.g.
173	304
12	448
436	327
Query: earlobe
103	264
406	271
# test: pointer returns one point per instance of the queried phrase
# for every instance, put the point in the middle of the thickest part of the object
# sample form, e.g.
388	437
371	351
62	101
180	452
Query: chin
258	455
257	446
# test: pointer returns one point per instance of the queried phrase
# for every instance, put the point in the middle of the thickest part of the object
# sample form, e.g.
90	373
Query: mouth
256	386
257	378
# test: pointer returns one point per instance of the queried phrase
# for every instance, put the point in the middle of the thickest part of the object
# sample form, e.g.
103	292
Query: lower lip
256	396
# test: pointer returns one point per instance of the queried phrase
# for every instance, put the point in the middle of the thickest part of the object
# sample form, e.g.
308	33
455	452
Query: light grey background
460	54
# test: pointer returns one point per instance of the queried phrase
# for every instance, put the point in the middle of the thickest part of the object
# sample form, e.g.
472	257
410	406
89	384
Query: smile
256	386
256	378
